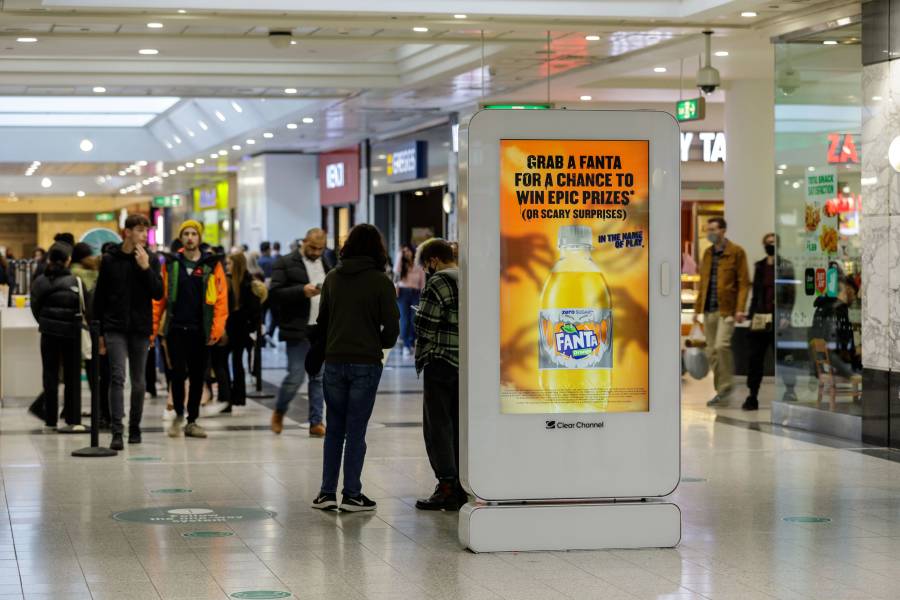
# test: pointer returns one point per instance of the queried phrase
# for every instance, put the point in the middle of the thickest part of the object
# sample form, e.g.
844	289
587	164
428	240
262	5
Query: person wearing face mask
724	286
762	310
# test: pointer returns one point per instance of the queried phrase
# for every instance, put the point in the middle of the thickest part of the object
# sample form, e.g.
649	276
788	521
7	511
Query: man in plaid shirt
437	355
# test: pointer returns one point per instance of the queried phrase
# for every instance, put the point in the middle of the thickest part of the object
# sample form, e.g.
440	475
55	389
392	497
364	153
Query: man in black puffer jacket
128	283
56	306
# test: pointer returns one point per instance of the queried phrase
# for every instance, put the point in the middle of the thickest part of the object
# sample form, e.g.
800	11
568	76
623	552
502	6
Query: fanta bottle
576	328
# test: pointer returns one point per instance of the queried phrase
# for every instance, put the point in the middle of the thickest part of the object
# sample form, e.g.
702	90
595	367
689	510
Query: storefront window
818	114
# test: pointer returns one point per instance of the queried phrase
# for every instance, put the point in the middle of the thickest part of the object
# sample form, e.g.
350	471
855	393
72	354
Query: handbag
761	322
87	346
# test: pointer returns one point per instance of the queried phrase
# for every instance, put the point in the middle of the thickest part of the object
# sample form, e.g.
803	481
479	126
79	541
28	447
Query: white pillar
750	164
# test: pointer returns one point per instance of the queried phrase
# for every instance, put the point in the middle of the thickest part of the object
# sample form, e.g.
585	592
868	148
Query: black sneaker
325	502
134	435
445	497
358	504
751	403
117	443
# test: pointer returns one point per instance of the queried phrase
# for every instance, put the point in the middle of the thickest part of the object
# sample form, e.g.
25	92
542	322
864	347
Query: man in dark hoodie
128	283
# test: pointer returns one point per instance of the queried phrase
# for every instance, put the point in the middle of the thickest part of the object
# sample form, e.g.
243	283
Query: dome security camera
788	81
280	39
708	78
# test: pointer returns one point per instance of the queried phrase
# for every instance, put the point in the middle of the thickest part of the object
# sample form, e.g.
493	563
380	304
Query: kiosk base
584	526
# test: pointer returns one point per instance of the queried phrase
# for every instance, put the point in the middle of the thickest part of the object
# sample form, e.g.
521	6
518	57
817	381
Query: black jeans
219	356
189	353
62	352
130	349
441	419
759	344
237	345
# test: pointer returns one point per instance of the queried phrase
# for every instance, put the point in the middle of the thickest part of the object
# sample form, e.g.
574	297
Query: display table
20	354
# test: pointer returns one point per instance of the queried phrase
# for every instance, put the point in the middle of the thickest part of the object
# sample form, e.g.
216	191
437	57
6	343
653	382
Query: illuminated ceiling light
168	145
203	125
172	171
293	42
27	40
592	38
308	120
290	90
420	29
420	193
223	152
236	147
659	69
782	167
749	14
181	11
237	107
460	16
86	145
292	126
165	174
810	169
268	135
80	193
177	139
722	53
382	157
830	43
779	172
123	191
250	142
148	51
876	98
121	173
214	155
155	25
189	165
180	168
142	163
844	22
190	133
199	161
585	98
46	182
220	116
796	185
99	89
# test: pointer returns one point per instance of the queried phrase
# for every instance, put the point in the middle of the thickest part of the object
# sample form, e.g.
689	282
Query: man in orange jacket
191	317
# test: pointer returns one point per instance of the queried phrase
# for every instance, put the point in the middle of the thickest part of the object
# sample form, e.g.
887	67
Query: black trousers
237	346
441	419
150	372
760	342
189	355
219	360
65	353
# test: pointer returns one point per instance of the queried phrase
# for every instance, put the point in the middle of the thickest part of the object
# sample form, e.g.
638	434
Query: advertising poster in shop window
574	294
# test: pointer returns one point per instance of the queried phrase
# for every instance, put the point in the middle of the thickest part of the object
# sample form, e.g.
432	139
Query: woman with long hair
358	318
410	281
244	298
57	298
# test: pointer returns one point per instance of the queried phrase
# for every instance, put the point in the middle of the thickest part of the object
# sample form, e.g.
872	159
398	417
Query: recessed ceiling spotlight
99	89
148	51
180	168
165	174
292	126
199	161
268	135
220	116
659	69
290	90
293	42
810	169
782	167
214	155
181	11
830	43
237	107
177	140
203	125
46	182
250	142
189	165
142	163
749	14
86	145
592	38
121	173
190	133
585	98
420	29
223	152
155	25
460	16
168	145
172	171
80	193
722	53
236	147
27	40
876	98
308	120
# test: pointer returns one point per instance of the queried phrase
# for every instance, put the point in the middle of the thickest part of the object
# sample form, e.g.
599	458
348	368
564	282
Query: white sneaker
168	415
406	352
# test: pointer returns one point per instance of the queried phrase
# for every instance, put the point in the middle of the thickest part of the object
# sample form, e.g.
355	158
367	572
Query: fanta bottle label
576	338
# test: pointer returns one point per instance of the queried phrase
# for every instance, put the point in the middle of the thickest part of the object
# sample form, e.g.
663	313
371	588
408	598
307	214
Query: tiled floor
58	539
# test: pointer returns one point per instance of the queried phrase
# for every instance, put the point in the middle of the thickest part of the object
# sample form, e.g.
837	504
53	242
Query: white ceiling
358	73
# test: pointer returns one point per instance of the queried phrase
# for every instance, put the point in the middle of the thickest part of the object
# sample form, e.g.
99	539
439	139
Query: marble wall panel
877	115
876	292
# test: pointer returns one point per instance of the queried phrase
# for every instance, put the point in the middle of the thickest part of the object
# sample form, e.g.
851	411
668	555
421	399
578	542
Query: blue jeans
407	298
296	353
350	396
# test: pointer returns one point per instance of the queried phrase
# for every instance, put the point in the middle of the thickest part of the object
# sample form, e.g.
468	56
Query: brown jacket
733	280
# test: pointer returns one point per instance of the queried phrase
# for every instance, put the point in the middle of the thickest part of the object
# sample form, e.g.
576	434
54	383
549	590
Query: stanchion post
94	373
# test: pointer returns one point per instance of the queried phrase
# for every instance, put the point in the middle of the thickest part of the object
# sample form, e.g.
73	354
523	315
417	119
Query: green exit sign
106	217
691	110
166	201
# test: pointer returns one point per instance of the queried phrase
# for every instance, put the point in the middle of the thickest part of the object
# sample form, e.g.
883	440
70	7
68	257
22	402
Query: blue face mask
713	238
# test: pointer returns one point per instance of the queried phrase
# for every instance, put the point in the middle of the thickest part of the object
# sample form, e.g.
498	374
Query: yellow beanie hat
191	224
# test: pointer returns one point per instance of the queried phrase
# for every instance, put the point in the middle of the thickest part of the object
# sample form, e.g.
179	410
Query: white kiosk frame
590	488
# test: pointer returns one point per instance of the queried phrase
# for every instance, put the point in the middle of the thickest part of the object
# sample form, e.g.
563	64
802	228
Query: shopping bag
694	357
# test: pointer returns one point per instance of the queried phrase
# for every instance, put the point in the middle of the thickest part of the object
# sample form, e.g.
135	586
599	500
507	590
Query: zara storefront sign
712	144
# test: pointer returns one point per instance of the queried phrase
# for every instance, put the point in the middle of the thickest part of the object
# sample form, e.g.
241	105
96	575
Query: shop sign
105	217
214	197
167	201
339	177
842	149
712	143
409	161
693	109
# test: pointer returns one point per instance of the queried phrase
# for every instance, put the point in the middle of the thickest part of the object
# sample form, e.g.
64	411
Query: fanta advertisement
574	294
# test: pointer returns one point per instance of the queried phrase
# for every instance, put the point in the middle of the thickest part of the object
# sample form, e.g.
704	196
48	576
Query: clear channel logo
573	425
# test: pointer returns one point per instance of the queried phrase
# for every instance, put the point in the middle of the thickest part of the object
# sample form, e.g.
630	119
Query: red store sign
339	177
842	149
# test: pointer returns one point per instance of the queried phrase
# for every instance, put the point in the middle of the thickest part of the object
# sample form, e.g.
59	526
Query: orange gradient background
529	250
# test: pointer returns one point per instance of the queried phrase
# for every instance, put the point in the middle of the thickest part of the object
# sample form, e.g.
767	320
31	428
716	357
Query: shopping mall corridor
767	514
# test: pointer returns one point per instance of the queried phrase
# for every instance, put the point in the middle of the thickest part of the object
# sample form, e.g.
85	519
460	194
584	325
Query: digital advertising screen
574	276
